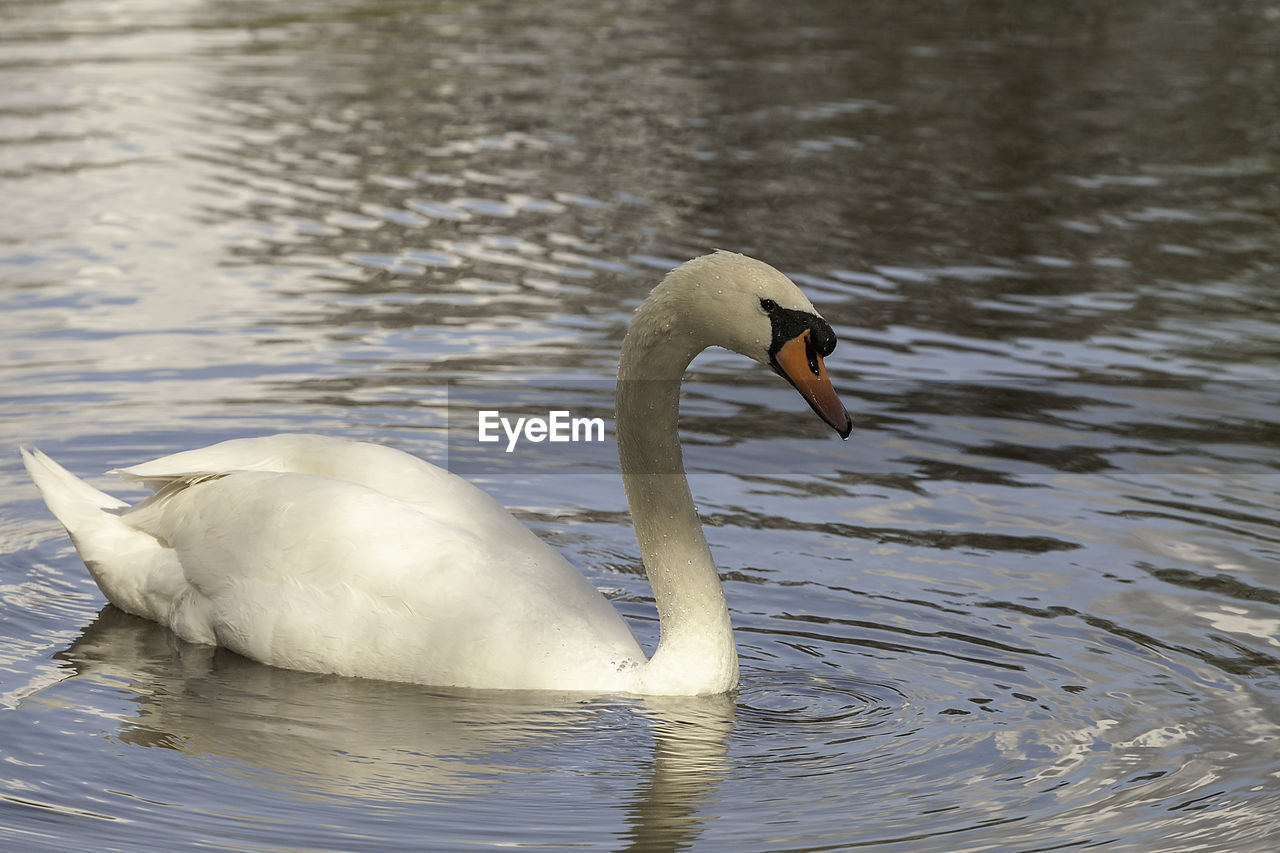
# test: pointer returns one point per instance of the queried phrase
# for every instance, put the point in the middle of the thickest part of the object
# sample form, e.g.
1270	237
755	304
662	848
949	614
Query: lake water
1033	603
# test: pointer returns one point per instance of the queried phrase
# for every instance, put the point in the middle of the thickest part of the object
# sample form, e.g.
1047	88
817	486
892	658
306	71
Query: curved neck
696	652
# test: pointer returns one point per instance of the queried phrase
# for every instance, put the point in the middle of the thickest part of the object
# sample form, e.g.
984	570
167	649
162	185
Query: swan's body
329	555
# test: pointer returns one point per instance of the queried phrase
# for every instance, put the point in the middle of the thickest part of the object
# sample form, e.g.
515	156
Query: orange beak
799	362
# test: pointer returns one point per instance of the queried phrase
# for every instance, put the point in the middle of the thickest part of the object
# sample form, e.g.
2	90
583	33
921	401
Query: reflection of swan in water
324	737
325	555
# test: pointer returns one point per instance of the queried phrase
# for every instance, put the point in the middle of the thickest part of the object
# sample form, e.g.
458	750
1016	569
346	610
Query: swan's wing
392	472
386	469
310	572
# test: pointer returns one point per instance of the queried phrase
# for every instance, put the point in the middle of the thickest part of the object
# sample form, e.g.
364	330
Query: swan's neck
696	652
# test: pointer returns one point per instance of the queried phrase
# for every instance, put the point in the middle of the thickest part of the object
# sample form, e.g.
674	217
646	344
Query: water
1033	603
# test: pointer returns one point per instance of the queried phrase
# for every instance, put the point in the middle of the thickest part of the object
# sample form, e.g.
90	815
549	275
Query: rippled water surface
1032	604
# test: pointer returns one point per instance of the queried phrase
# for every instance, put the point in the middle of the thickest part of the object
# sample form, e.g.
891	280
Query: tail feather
66	495
132	568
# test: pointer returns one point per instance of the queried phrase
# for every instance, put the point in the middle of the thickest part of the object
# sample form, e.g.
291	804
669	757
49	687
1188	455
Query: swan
329	555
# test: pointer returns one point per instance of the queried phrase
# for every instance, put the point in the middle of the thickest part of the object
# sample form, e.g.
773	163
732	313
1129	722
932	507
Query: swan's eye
768	305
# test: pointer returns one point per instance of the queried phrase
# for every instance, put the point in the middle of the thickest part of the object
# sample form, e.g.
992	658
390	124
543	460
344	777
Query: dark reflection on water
1032	603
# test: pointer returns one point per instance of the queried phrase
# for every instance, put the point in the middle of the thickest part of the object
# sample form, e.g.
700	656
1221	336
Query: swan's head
739	303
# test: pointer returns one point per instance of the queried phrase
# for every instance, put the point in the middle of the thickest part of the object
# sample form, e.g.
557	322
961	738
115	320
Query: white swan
328	555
